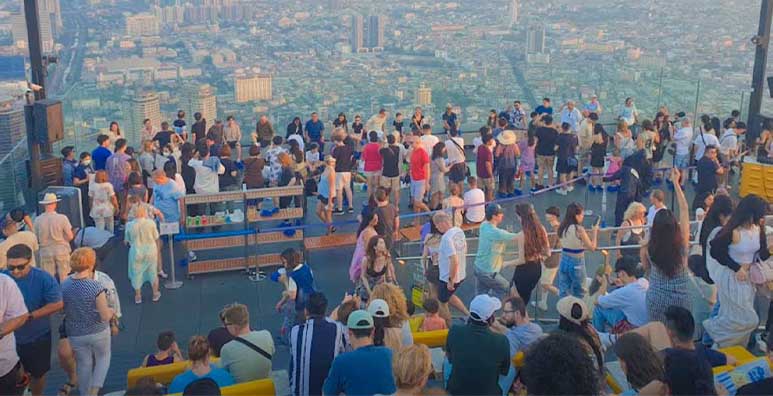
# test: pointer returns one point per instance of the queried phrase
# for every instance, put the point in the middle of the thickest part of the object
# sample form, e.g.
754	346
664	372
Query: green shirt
491	247
244	363
478	357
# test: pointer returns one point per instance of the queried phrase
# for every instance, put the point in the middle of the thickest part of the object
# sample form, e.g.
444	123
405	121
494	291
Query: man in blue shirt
545	107
450	120
42	297
314	130
166	196
367	370
68	165
101	153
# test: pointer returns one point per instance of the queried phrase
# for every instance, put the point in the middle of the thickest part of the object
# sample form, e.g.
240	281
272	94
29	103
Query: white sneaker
570	188
561	191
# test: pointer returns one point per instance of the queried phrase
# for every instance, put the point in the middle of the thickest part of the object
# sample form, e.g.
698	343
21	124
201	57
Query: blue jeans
571	276
603	317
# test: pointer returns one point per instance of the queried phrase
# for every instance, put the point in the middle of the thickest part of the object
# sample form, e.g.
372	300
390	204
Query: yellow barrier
161	374
264	387
432	339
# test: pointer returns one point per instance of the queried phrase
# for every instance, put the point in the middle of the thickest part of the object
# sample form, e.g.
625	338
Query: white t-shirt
20	238
477	213
703	140
429	141
455	155
206	179
651	212
729	141
11	306
453	242
682	138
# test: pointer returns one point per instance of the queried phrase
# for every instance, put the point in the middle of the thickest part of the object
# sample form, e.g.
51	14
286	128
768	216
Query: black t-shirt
226	179
398	126
286	176
546	140
344	158
163	138
707	175
567	144
391	158
357	128
199	130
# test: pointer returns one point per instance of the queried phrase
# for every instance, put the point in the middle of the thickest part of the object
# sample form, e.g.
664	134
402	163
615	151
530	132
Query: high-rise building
202	100
55	11
142	106
424	95
19	29
535	39
252	87
13	152
357	35
376	32
512	13
142	25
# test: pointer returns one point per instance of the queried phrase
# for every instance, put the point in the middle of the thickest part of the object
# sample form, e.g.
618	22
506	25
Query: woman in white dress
732	250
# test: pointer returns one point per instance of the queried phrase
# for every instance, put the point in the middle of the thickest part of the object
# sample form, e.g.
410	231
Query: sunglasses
21	267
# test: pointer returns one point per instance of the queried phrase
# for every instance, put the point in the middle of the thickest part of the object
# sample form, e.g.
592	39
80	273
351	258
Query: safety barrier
161	374
264	387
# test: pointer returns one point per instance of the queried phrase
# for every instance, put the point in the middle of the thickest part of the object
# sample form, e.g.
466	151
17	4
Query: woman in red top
371	156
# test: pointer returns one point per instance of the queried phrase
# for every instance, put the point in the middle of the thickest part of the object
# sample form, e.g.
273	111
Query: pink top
372	156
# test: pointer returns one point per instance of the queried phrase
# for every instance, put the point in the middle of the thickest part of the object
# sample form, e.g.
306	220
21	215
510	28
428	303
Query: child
168	351
526	167
142	237
312	157
432	320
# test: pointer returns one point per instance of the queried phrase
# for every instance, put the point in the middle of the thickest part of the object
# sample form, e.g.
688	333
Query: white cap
378	308
483	307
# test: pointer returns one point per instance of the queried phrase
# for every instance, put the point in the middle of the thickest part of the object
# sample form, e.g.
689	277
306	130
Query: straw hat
49	198
506	137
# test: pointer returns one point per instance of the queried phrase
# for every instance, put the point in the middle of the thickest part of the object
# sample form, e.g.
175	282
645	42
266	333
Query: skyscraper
252	87
535	39
376	32
19	29
143	105
202	100
142	25
55	11
512	13
357	34
12	129
424	95
13	171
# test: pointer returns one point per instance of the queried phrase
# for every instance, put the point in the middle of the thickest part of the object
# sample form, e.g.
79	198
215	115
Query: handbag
761	272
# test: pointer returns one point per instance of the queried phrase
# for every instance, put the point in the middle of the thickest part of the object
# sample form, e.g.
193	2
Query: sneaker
561	191
570	188
338	212
350	210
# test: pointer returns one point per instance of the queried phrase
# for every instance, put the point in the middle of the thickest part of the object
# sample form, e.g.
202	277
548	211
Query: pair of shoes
156	296
163	275
338	212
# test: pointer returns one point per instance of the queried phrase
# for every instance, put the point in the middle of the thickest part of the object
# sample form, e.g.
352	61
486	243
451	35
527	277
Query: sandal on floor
156	297
66	389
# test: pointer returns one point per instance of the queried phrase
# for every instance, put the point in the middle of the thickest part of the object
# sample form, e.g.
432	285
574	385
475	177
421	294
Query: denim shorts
571	276
682	161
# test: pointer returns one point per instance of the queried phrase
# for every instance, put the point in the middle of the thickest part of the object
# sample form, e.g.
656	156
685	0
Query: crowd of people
660	304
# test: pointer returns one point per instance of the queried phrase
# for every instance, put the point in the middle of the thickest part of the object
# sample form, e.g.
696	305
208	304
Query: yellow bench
264	387
161	374
437	339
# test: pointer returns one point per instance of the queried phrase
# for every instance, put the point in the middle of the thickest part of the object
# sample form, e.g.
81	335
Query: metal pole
172	283
760	63
697	99
38	77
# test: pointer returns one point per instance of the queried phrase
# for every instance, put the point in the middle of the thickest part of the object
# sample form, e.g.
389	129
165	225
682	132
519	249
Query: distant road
68	69
521	79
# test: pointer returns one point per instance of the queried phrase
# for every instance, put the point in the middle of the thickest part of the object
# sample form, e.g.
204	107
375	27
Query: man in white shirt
451	265
728	143
427	139
701	141
474	200
13	315
627	302
682	139
207	170
14	237
657	198
571	115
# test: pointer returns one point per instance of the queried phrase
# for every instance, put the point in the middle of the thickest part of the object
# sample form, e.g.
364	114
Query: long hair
366	219
642	363
586	333
750	210
570	218
723	206
535	240
716	125
437	150
666	243
291	258
117	128
370	250
295	150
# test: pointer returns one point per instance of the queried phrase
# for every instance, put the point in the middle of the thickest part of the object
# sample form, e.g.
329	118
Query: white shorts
343	179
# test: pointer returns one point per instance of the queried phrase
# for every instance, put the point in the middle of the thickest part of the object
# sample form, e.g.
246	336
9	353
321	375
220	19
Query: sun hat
506	137
359	319
378	308
49	198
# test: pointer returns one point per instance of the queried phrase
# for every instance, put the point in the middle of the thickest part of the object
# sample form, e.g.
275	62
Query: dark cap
492	210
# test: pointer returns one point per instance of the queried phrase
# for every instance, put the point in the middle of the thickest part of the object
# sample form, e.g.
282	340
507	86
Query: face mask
167	153
86	162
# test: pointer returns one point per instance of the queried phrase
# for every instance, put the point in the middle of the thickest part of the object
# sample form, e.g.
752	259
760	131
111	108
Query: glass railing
14	189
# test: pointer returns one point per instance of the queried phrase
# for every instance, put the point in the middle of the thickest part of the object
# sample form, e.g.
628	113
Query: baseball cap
483	307
573	309
493	209
360	319
378	308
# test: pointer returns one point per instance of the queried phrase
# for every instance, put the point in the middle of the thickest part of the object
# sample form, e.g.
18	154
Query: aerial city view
409	197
